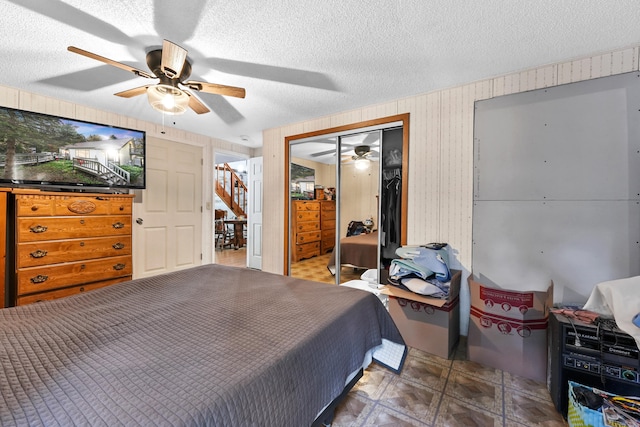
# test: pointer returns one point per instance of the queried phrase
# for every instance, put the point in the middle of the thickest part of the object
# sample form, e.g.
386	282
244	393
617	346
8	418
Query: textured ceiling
297	59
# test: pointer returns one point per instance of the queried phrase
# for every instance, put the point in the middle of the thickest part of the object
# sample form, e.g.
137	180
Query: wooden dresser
67	243
327	225
3	247
305	227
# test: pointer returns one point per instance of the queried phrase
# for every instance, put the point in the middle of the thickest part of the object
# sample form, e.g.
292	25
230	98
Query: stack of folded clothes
422	269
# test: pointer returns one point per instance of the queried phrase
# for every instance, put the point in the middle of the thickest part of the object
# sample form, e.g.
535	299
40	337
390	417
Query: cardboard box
428	324
508	329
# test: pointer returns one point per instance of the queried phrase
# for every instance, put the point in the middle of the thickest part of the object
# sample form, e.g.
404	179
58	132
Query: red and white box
508	329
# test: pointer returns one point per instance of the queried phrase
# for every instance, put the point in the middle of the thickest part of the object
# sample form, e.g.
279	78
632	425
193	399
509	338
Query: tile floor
435	392
316	269
431	391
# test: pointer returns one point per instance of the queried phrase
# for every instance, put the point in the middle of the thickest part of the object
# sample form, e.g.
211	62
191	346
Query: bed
360	251
210	345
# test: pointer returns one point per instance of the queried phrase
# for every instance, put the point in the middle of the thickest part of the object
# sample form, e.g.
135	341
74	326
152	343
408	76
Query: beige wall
358	192
440	188
14	98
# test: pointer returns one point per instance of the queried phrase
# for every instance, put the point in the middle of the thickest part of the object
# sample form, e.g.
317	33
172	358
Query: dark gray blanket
211	345
357	251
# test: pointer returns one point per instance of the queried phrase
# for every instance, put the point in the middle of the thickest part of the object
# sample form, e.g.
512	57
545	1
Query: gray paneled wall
557	187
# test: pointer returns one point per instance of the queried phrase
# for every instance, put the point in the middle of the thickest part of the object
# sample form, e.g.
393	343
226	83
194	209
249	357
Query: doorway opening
230	209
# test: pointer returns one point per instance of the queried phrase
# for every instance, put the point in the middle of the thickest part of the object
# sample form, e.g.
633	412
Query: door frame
404	118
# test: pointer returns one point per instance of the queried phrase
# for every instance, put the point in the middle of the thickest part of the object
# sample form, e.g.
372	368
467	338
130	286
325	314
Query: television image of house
111	160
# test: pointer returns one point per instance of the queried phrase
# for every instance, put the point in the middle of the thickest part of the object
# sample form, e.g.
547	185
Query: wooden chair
222	234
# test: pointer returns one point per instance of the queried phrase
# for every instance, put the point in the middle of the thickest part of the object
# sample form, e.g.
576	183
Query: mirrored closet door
346	201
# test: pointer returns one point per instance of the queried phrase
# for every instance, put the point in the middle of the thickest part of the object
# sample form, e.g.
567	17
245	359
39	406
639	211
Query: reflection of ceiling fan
363	156
171	66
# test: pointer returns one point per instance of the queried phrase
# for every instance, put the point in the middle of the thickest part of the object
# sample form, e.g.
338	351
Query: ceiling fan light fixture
362	163
167	99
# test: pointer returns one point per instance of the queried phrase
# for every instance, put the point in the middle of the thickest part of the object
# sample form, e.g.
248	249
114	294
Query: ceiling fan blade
173	58
323	153
195	104
88	79
238	92
345	148
277	74
110	62
73	17
221	107
129	93
164	18
371	138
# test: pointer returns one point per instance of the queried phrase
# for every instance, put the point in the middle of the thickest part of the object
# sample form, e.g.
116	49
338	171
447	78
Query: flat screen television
51	152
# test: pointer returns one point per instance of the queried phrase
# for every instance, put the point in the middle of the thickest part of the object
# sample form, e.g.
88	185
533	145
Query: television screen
302	182
48	151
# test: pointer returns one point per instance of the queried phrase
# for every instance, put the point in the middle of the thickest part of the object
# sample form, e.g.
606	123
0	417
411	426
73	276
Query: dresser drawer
328	224
328	234
49	205
38	279
327	245
52	228
307	226
327	207
307	250
307	237
328	215
74	290
307	216
57	251
304	205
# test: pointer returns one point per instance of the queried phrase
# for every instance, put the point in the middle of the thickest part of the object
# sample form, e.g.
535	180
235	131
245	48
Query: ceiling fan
363	156
171	66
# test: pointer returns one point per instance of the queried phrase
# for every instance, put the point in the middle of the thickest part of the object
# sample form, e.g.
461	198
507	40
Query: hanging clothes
391	204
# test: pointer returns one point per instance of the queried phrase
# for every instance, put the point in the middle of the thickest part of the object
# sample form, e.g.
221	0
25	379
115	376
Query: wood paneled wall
15	98
440	154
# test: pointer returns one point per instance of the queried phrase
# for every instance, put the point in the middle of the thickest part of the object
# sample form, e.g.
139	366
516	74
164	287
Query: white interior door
167	235
254	217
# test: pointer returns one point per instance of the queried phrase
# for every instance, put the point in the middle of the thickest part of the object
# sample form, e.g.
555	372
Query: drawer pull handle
118	245
119	266
118	225
121	207
34	208
40	253
38	228
40	278
82	266
81	244
81	289
82	221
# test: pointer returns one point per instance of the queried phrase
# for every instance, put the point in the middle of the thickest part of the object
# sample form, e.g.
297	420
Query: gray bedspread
211	345
357	251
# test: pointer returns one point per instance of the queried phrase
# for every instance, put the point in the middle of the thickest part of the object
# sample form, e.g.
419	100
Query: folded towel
424	259
620	299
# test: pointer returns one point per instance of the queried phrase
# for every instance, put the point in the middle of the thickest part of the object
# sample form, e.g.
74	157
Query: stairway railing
231	190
